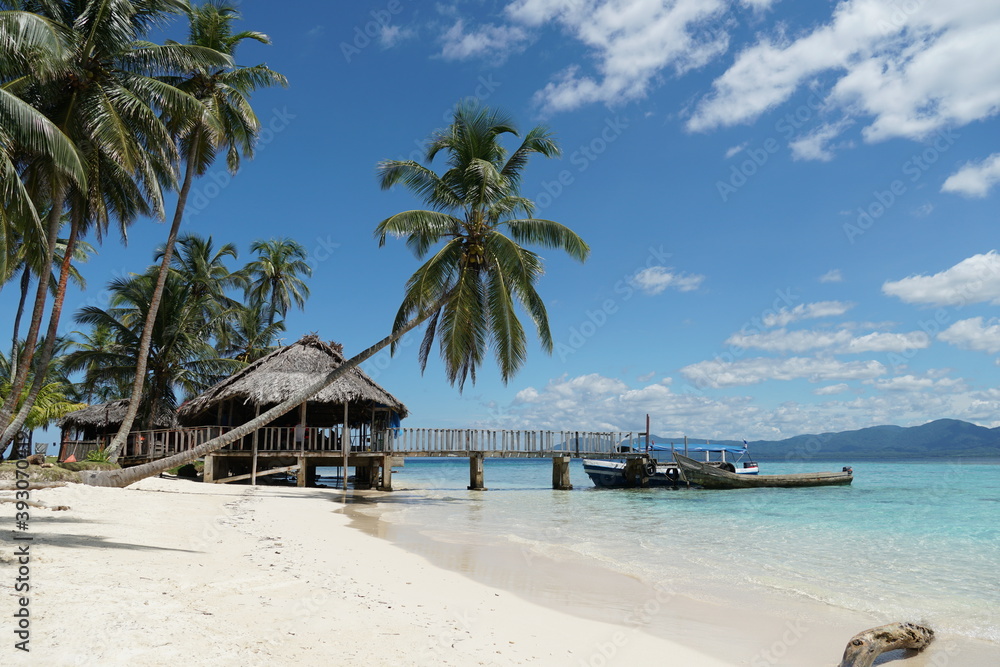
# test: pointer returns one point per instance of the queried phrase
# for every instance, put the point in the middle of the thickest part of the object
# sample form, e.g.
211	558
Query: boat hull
709	477
611	474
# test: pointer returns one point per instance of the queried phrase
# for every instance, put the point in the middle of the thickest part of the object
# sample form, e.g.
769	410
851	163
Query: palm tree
273	278
480	190
181	358
248	336
106	98
228	123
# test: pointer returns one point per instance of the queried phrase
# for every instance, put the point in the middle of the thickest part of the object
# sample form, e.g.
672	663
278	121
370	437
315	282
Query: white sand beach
174	572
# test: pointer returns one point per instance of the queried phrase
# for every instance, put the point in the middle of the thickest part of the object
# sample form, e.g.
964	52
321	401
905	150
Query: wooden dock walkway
283	449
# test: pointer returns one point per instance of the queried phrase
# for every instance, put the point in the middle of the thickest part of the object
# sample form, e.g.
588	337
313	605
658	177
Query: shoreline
739	627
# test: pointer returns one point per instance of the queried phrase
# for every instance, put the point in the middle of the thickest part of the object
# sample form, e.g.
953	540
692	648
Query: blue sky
792	207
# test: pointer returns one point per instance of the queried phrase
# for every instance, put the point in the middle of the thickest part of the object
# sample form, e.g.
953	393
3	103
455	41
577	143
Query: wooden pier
282	450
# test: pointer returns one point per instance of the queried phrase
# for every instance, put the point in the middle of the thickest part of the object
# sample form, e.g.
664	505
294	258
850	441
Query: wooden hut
351	418
92	428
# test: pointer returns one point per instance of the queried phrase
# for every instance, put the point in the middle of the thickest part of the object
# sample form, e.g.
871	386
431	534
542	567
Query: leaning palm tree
273	280
474	199
228	124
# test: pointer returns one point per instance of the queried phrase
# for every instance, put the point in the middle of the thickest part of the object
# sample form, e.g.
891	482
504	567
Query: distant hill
944	438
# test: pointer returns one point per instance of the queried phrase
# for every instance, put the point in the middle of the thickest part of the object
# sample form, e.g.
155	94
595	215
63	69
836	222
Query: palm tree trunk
41	367
25	283
20	376
154	305
124	477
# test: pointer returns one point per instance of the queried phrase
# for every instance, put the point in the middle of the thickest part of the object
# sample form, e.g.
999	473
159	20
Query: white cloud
655	279
889	342
974	334
392	35
839	341
975	179
832	276
632	42
913	383
973	280
646	377
911	68
815	145
736	149
717	373
600	403
806	311
487	41
780	340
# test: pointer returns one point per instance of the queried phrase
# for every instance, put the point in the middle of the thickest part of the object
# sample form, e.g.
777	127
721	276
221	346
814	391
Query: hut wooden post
345	445
253	469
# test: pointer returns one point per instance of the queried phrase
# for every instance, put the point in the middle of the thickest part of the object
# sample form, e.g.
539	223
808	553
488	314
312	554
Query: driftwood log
865	646
32	503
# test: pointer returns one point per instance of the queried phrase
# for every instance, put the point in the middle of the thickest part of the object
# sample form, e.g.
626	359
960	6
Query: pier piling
476	465
560	473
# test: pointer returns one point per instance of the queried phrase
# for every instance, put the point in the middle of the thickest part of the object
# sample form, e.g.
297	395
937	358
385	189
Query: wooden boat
712	477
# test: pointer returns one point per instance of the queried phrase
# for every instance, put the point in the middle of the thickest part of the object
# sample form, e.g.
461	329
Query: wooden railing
155	444
441	440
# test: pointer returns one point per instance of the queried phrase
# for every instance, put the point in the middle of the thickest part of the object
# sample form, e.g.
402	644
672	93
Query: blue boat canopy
729	449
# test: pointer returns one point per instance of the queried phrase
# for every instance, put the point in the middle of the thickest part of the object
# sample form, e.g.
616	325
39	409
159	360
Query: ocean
907	541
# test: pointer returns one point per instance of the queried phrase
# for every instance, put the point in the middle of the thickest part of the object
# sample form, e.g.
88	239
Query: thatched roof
111	415
272	379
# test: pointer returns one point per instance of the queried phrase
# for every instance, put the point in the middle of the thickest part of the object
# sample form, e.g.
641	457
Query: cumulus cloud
974	334
487	41
815	145
911	69
632	43
806	311
736	149
973	280
914	383
595	402
831	390
975	179
781	340
718	373
391	35
888	342
655	279
838	341
832	276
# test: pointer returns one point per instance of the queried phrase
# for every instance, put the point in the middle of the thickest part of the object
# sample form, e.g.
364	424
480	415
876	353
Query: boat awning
729	449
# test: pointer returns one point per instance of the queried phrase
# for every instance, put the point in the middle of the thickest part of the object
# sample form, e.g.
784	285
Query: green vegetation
96	123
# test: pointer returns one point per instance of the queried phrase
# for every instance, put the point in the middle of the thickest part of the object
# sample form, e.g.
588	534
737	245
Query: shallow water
907	540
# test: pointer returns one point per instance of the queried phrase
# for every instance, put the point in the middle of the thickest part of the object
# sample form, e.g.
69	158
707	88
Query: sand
171	572
175	572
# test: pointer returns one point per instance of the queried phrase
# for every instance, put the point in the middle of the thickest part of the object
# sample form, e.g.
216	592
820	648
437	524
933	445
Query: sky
792	207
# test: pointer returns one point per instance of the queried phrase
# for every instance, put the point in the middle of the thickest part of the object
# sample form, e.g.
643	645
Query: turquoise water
906	540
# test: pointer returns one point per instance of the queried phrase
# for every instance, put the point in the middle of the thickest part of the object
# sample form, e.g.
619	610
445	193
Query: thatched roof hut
105	418
271	379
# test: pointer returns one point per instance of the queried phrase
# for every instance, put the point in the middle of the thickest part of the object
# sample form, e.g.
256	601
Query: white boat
611	472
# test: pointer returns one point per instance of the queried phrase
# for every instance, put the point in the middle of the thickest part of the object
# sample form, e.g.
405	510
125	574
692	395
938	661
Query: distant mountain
944	438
